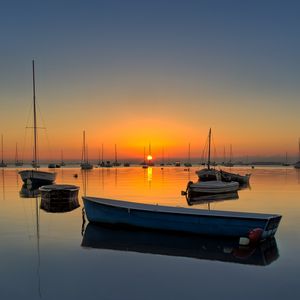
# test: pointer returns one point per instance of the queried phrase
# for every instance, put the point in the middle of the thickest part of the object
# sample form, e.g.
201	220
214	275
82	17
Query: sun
149	157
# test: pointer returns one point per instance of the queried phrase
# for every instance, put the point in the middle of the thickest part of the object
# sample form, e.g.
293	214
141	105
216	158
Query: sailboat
2	164
17	162
85	165
188	163
297	164
35	177
62	163
116	163
229	163
144	164
210	181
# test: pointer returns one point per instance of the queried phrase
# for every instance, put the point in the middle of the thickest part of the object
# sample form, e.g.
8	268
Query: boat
297	164
59	197
229	163
209	174
53	166
17	162
62	163
2	164
213	187
179	245
116	163
229	176
85	165
252	226
34	177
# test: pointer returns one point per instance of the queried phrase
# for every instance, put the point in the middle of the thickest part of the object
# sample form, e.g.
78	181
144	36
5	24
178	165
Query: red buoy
255	235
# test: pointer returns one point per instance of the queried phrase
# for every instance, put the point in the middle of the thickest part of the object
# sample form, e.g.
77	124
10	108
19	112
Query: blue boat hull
212	225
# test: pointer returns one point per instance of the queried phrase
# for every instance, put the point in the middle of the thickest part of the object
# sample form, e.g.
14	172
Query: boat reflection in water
29	191
207	199
181	245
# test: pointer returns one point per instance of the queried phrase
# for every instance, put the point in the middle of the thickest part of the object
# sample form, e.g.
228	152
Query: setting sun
149	157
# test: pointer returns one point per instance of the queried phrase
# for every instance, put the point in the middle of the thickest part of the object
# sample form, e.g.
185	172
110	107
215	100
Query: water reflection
170	244
206	199
29	192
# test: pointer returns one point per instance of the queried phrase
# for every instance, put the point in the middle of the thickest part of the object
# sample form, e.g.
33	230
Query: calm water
58	256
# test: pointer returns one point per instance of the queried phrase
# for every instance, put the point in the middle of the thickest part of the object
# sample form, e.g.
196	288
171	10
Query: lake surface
48	255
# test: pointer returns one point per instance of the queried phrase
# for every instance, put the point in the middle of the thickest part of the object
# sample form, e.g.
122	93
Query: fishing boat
252	226
35	177
85	165
2	164
229	176
297	164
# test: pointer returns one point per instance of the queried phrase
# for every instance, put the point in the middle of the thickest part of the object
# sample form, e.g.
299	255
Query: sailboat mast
34	118
209	139
144	155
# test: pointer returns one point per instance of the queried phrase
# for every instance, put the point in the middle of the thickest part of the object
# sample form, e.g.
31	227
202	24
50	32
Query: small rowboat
205	222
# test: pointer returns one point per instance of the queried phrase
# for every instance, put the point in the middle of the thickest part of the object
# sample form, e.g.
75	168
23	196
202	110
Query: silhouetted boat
297	164
205	222
2	163
17	162
179	245
34	177
85	165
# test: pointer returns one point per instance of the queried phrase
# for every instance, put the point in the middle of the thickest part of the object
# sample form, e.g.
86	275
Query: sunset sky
162	72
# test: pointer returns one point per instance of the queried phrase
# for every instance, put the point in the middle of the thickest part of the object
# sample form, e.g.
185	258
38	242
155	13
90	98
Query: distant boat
297	164
17	162
286	164
188	163
53	166
85	165
229	163
2	164
126	164
179	245
177	164
198	221
116	163
35	177
62	163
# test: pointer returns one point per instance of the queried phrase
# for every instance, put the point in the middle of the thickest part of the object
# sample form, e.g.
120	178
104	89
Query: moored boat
202	188
198	221
36	178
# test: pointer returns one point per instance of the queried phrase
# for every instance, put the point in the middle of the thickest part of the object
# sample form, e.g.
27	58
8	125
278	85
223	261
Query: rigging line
214	145
46	132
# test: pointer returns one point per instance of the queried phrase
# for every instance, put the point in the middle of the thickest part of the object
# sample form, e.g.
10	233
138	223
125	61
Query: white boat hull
35	177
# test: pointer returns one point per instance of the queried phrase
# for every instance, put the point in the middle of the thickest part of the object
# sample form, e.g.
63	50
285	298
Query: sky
162	72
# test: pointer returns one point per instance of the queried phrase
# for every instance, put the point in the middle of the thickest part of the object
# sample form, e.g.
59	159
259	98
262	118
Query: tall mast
208	159
144	155
34	118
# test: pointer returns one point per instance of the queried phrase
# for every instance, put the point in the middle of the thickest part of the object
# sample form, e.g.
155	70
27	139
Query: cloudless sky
134	72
